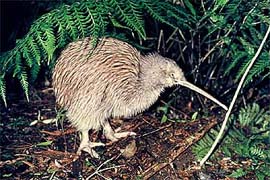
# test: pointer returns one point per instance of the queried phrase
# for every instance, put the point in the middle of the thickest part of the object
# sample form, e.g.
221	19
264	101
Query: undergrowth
217	51
247	143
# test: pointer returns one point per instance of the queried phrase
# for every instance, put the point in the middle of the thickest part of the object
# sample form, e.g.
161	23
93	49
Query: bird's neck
150	74
149	87
146	89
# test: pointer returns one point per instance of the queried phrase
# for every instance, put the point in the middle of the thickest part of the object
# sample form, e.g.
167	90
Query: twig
52	176
152	170
146	134
98	170
245	18
161	35
221	42
219	136
171	36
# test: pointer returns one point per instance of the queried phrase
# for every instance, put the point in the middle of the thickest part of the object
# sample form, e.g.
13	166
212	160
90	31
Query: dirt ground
48	151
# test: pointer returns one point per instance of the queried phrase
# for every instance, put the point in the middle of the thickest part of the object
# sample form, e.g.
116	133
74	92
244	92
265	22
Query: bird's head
170	74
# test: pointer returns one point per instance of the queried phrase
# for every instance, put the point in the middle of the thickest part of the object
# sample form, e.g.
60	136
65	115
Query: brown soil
47	151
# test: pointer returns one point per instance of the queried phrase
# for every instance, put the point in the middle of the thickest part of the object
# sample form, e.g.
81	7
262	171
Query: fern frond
260	66
34	71
65	31
34	50
151	9
71	24
80	19
27	56
134	9
238	173
247	115
3	89
22	76
190	7
129	13
238	57
257	152
178	14
97	14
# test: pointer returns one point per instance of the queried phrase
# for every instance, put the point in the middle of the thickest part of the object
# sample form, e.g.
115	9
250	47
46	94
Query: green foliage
3	89
66	23
225	39
242	25
248	140
238	173
165	111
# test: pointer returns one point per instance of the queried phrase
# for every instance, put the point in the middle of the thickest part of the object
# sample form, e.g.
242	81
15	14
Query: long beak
195	88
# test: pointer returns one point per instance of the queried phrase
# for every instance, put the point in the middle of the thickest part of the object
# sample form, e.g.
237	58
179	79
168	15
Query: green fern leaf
154	11
22	76
71	24
261	65
61	19
18	64
176	15
50	43
190	7
34	71
256	151
237	56
20	73
34	50
27	56
238	173
117	24
97	14
3	89
129	13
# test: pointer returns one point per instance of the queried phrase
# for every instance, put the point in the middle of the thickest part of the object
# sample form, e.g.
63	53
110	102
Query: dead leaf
130	150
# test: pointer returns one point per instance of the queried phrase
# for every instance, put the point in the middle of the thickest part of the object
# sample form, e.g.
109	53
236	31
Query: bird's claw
117	135
88	147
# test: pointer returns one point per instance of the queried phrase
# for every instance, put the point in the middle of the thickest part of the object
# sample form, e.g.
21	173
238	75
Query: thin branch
152	132
219	136
99	170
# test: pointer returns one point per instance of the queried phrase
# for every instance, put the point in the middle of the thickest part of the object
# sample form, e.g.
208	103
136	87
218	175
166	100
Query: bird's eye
172	75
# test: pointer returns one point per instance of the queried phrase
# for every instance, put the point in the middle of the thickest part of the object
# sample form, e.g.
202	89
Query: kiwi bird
111	80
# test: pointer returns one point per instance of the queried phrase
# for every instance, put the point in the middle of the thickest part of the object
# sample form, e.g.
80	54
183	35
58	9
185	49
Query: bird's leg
115	136
88	146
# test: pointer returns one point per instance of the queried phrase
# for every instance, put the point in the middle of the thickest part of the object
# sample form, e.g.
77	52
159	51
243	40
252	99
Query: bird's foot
88	147
115	136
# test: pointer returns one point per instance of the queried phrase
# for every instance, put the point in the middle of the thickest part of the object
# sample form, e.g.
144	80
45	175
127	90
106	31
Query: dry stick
98	170
152	132
219	136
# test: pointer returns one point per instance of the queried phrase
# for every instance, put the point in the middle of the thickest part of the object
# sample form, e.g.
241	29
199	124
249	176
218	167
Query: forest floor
158	151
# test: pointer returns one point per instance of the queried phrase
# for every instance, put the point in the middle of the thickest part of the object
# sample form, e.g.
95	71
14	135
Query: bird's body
112	80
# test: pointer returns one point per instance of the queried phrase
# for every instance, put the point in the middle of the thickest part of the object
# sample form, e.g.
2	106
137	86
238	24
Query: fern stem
222	129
